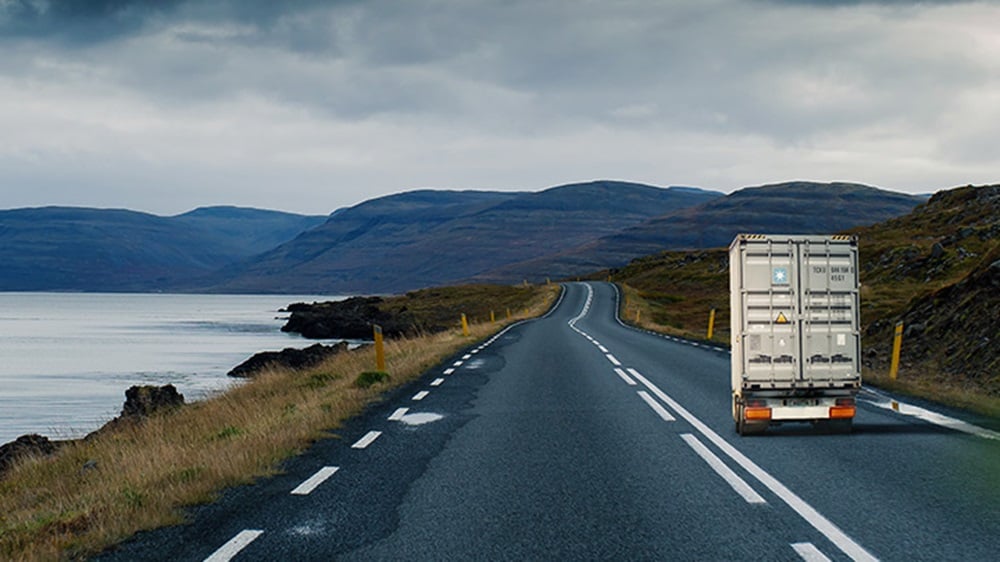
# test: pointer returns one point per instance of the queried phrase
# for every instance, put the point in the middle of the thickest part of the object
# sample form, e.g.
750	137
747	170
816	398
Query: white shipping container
795	322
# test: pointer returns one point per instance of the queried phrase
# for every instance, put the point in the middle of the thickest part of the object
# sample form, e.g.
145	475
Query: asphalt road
574	437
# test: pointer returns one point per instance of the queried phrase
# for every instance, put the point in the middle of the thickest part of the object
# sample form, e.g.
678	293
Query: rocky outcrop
144	401
33	445
348	319
141	402
289	357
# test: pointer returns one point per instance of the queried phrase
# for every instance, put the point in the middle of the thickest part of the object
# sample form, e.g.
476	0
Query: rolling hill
425	238
802	207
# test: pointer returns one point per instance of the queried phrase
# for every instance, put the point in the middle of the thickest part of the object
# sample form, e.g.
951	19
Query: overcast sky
308	106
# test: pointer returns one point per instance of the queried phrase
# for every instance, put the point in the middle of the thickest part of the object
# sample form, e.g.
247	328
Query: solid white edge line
305	488
227	551
614	360
806	511
420	395
720	468
628	380
398	414
437	382
659	409
368	439
930	416
809	552
562	294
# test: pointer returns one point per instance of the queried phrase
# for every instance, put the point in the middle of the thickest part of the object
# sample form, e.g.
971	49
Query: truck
796	341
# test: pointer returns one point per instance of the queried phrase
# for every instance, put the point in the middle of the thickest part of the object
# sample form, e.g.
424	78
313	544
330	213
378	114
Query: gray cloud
329	103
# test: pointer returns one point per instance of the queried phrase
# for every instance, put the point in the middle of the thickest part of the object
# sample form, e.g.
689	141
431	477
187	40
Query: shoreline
68	358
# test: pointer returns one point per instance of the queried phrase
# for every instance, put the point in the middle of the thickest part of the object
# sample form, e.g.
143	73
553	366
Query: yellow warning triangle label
781	319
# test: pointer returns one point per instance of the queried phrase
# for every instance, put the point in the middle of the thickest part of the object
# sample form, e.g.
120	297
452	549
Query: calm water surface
66	359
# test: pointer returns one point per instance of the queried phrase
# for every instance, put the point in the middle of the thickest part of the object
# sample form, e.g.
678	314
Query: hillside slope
81	249
426	238
804	207
937	269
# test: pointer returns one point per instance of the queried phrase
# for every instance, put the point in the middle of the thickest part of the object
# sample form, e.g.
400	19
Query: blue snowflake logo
779	276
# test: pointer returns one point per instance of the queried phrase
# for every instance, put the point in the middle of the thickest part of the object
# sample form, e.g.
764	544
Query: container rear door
770	343
829	315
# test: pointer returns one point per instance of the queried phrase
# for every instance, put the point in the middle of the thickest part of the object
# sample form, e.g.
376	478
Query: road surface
574	437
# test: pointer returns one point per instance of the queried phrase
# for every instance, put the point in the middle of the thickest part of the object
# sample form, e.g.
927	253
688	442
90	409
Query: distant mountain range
80	249
410	240
793	207
426	238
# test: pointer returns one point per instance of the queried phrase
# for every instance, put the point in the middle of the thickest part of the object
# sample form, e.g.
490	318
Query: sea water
66	359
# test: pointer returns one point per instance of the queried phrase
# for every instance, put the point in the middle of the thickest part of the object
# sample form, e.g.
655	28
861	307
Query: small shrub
368	378
188	474
228	432
133	498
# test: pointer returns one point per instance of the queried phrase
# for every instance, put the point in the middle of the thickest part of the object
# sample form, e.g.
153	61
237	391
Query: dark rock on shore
33	445
348	319
289	357
142	402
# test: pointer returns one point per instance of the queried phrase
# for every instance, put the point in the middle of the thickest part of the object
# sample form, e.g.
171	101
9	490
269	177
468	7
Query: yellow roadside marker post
493	317
637	313
897	344
711	324
508	313
465	325
379	349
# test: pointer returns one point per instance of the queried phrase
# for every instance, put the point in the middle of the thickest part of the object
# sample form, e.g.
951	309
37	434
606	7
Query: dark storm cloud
95	21
78	21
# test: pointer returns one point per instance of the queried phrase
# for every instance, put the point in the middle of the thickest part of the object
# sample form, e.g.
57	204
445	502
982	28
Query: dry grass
675	292
145	475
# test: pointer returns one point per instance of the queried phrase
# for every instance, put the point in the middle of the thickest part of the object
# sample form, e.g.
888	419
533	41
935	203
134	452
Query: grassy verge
98	492
685	316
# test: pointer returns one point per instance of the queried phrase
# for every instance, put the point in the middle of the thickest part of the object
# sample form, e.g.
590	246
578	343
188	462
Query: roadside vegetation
96	492
936	270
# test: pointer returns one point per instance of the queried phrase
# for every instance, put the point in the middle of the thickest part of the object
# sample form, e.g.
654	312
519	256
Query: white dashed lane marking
656	406
367	440
437	382
727	474
809	552
398	414
227	551
626	378
614	360
420	395
315	480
